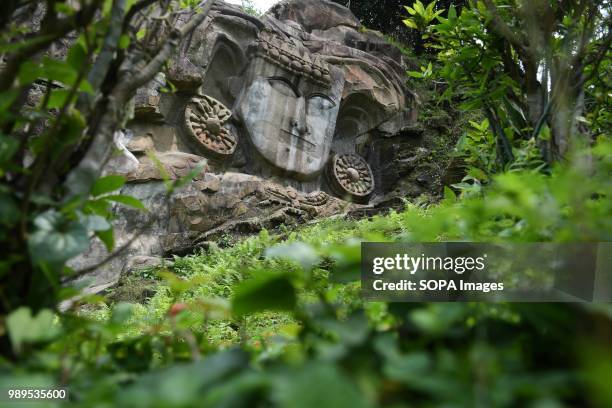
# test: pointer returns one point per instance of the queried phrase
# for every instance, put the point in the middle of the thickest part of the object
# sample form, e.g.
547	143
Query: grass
206	279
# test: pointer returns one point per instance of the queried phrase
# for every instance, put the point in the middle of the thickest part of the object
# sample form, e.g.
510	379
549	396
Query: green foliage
486	63
293	306
421	16
263	292
56	97
24	328
249	7
425	73
107	184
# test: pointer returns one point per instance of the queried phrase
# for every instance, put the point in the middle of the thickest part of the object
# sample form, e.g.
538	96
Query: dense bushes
292	306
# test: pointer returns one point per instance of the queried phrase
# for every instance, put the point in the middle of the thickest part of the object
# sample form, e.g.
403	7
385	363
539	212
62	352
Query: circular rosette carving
351	175
205	118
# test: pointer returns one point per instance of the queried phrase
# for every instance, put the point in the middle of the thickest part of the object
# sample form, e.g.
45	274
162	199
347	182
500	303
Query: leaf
410	23
346	261
141	34
410	10
108	238
56	239
475	125
299	252
64	8
181	285
185	385
452	13
8	147
449	194
58	98
264	292
55	70
15	46
320	385
29	72
9	210
126	200
124	41
77	55
161	169
430	7
95	223
189	176
107	184
99	207
85	86
25	328
6	99
418	7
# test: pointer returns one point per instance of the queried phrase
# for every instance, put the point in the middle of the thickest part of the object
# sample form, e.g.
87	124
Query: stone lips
204	120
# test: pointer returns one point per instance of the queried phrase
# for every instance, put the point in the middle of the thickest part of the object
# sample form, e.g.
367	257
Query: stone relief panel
277	112
350	175
205	118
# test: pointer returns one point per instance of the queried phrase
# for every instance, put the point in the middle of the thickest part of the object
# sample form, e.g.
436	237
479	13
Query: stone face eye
320	101
283	86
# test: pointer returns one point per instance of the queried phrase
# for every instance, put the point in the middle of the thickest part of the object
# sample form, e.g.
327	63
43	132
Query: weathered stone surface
284	113
230	203
147	99
290	106
175	165
315	14
205	119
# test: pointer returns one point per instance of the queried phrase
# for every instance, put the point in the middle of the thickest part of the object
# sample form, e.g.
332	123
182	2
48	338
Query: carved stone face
289	105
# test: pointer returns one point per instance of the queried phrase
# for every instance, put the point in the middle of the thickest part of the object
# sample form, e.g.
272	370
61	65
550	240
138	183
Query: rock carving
282	115
205	118
351	175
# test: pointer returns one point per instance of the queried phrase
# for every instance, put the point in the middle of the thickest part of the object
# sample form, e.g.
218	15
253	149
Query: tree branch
500	26
596	59
132	75
100	68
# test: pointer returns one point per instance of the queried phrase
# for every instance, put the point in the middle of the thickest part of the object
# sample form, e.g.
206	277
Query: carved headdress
288	55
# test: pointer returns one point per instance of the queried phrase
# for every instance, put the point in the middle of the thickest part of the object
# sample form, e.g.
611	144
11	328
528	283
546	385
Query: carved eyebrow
286	82
320	95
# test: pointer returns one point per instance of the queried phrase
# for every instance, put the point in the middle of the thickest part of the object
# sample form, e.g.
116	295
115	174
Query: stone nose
300	126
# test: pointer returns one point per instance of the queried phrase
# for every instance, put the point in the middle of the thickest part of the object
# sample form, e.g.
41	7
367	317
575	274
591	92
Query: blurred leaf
108	238
25	328
126	200
107	184
183	385
9	210
77	55
124	42
58	98
55	239
263	292
95	223
16	46
61	71
316	385
303	254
